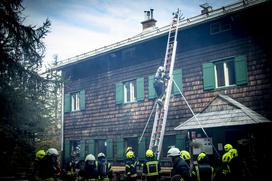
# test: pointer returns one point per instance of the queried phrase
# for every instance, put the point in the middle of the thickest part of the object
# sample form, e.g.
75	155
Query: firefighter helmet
40	154
101	155
149	153
52	151
90	157
227	147
130	154
233	152
226	158
172	152
185	155
201	156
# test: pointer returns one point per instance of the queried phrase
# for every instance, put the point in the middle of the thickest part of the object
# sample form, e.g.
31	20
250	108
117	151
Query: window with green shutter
208	76
130	91
142	149
67	150
225	72
151	90
82	100
140	89
241	70
119	93
120	149
109	149
67	102
177	76
180	141
91	146
82	149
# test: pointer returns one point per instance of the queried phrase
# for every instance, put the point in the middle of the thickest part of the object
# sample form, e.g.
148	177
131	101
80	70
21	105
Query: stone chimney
206	8
149	22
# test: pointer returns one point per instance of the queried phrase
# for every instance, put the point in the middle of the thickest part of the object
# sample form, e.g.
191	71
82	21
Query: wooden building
109	94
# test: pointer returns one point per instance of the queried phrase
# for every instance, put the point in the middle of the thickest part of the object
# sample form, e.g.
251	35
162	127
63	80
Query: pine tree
24	107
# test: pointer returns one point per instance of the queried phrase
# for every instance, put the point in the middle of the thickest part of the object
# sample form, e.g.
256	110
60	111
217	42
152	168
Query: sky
79	26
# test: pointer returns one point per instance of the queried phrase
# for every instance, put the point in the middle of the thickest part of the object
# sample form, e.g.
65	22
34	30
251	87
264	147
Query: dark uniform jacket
180	167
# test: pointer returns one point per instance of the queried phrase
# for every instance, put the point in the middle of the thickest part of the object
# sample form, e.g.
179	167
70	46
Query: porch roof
223	111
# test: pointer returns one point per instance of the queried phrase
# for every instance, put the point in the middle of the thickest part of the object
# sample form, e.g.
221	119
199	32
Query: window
75	101
130	93
101	146
219	27
225	72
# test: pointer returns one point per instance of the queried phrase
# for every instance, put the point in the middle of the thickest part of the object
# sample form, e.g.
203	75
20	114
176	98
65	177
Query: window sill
225	87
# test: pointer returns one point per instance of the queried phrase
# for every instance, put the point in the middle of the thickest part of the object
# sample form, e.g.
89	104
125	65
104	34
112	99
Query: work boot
159	101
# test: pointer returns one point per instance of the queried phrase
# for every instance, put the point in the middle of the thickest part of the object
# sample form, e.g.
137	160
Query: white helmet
172	152
90	157
101	155
161	68
52	151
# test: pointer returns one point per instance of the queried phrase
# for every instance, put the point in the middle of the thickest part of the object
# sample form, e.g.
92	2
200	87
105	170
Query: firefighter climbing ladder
159	124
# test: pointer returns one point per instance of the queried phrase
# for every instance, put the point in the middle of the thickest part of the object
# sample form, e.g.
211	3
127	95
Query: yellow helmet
185	155
201	156
226	158
233	152
130	154
149	153
227	147
40	154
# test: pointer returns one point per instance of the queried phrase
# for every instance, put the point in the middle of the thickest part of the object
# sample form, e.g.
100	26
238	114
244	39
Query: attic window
219	27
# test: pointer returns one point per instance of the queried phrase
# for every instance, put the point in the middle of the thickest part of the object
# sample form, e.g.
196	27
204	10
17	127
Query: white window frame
226	74
132	91
75	101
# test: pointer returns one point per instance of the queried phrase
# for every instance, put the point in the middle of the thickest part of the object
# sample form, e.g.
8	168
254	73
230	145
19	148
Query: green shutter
67	150
180	141
119	93
82	149
67	102
140	89
120	148
109	149
241	70
142	149
208	76
177	76
151	90
91	146
82	99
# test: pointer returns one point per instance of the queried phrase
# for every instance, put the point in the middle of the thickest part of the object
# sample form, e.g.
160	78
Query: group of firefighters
47	167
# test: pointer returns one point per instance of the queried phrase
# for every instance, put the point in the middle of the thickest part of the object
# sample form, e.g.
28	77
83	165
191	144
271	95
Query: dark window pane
167	142
230	67
220	74
100	146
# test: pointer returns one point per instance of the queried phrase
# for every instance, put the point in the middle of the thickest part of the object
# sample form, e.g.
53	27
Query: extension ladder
159	124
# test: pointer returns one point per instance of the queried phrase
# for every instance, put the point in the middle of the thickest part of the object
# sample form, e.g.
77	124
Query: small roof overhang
223	111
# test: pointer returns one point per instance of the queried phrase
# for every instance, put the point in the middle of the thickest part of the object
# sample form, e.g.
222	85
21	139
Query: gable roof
185	23
223	111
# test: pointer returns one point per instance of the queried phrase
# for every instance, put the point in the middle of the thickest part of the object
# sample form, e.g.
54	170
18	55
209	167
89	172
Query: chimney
206	8
149	21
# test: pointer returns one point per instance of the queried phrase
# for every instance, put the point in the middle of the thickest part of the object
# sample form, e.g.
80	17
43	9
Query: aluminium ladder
159	124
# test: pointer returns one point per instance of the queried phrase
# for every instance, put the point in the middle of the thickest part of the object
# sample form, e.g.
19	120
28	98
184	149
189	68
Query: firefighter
159	83
185	155
50	169
203	171
131	164
90	169
151	166
225	171
37	165
236	170
104	168
180	169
